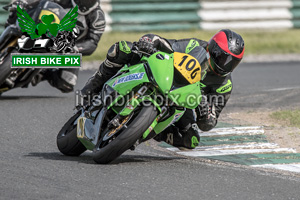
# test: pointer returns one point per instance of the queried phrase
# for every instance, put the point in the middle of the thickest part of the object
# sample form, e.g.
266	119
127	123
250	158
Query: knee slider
207	124
192	137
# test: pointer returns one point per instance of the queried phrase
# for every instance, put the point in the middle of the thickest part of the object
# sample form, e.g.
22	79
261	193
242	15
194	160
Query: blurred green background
276	21
256	42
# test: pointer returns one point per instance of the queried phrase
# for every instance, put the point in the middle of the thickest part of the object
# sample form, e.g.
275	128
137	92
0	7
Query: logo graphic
124	47
225	88
27	24
176	117
49	38
131	77
192	44
195	142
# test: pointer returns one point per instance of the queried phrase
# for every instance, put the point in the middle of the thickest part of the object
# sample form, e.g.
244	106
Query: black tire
127	138
67	141
5	68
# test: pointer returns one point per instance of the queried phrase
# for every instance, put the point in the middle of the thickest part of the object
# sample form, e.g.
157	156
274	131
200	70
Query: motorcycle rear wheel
127	138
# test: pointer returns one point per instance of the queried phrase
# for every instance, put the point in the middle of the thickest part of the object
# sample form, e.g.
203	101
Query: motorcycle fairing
128	78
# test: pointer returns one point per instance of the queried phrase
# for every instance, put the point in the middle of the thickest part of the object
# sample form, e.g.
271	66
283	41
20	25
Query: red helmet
226	49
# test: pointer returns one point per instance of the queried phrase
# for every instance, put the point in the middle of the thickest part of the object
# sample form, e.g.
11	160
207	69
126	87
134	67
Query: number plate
188	66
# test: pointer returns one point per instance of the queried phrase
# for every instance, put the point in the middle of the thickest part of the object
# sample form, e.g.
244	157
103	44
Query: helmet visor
223	62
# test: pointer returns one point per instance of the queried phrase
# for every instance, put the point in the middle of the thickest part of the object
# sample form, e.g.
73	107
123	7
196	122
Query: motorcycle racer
224	52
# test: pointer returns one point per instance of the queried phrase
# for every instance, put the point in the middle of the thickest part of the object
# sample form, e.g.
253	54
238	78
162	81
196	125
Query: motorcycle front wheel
67	141
127	138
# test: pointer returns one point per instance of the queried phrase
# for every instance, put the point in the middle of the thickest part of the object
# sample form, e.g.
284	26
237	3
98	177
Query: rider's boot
188	137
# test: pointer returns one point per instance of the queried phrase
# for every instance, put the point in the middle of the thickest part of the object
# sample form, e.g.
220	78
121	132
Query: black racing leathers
95	24
217	89
91	28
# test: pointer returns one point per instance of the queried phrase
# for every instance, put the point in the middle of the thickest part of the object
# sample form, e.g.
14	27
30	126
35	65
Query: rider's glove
203	111
146	45
206	117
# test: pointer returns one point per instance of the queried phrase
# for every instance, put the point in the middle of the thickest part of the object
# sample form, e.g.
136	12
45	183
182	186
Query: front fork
162	121
89	131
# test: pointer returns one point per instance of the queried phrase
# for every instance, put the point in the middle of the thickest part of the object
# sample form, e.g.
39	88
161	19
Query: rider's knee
207	124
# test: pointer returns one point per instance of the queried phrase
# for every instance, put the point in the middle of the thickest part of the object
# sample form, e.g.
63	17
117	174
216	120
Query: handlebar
135	49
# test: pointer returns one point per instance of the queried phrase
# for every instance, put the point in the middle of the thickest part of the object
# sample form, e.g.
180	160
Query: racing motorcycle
12	40
113	125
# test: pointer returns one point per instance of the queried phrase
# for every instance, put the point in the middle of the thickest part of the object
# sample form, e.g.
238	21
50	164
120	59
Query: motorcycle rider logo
55	37
28	25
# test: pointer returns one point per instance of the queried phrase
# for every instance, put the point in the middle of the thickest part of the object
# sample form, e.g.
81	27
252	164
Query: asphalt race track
33	168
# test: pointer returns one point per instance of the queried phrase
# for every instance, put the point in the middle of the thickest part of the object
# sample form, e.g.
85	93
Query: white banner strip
237	128
285	167
246	146
195	153
244	15
245	132
272	24
246	4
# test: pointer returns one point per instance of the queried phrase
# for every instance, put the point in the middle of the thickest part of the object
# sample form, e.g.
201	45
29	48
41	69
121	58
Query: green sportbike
136	104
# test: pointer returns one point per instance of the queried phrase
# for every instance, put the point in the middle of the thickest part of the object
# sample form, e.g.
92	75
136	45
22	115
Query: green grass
292	117
256	42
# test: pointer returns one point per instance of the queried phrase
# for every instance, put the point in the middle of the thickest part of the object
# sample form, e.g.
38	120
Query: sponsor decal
175	119
130	107
192	44
195	142
128	78
226	88
150	129
124	47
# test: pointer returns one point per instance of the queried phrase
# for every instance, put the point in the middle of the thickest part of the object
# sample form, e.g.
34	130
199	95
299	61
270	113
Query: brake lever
141	53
